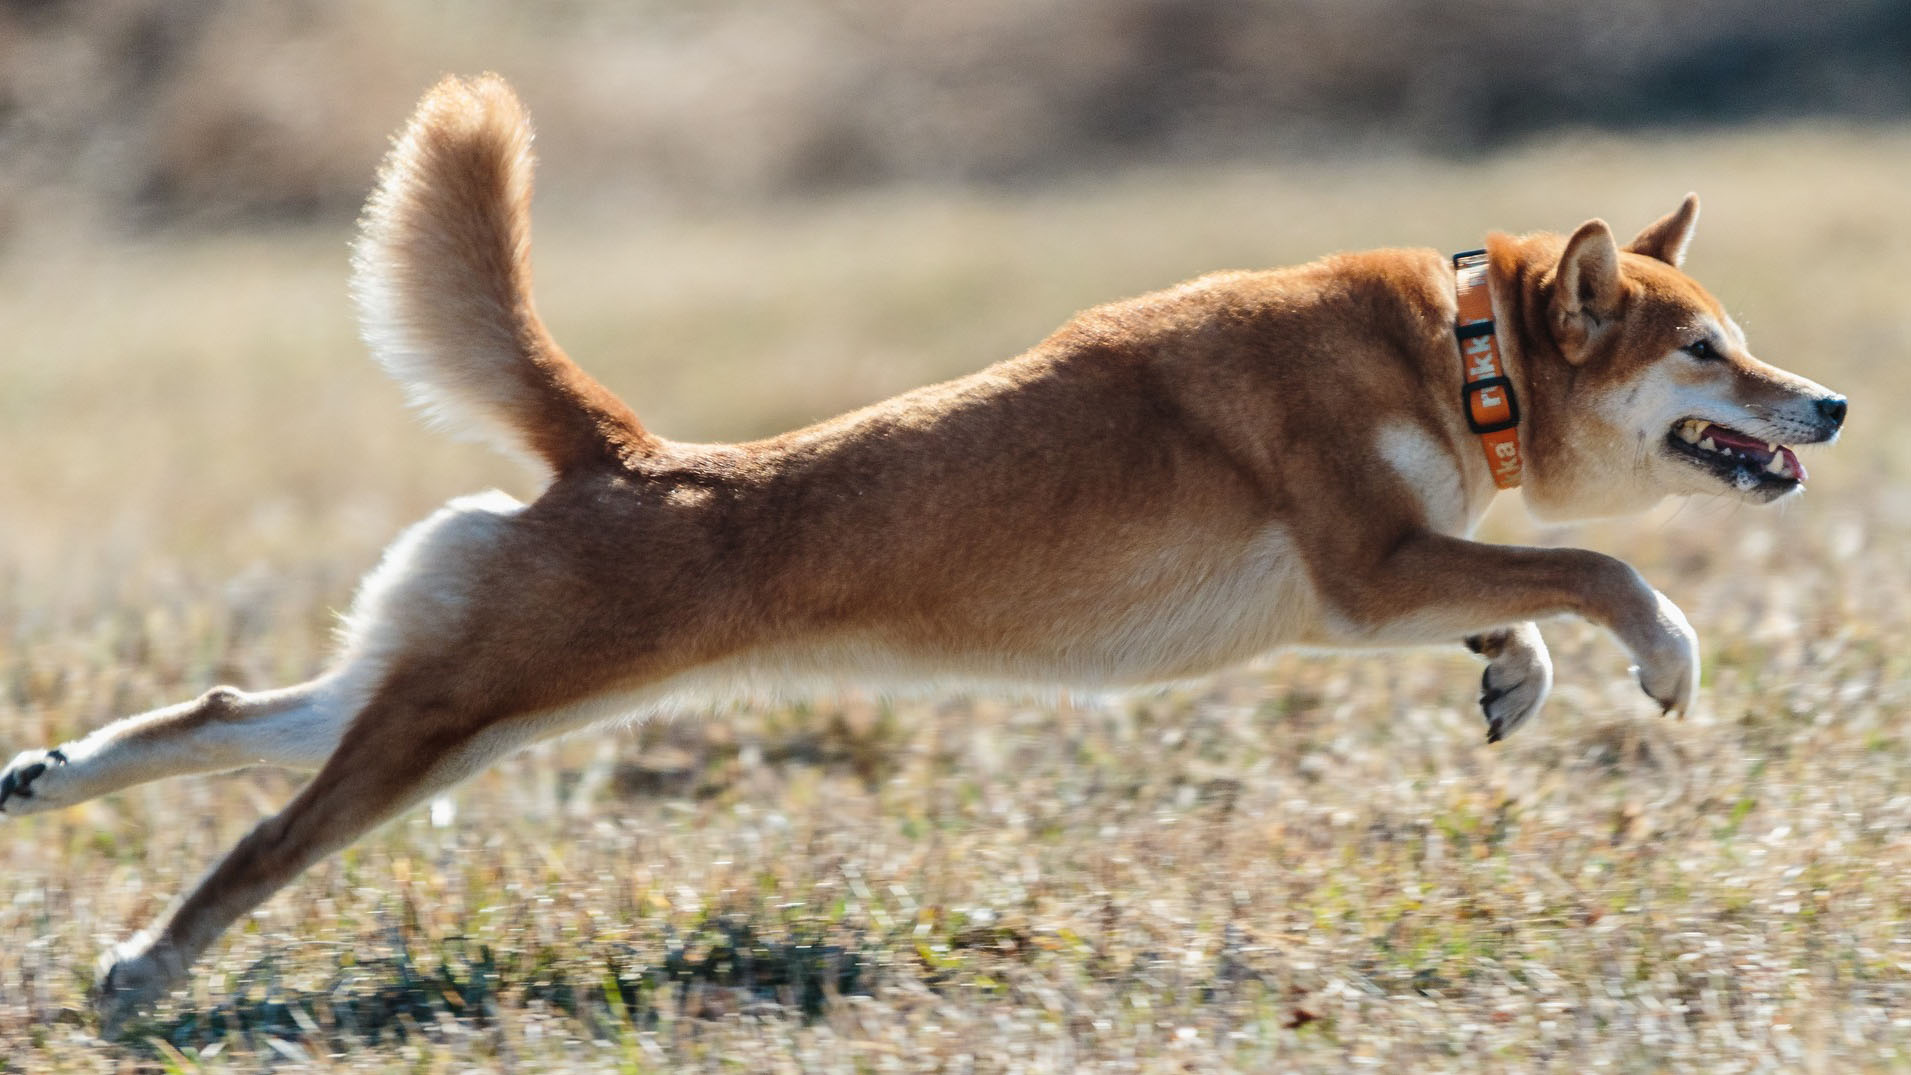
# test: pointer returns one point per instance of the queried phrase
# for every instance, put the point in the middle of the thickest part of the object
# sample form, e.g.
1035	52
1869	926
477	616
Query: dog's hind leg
415	592
224	728
395	754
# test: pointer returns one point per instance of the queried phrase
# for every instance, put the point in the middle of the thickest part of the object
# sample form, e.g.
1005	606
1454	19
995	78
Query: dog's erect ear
1587	291
1666	238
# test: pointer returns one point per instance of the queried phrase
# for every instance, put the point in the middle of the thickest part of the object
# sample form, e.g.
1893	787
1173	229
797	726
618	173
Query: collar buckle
1487	397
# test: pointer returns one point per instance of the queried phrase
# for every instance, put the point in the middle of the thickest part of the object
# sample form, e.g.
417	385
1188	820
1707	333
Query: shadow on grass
721	966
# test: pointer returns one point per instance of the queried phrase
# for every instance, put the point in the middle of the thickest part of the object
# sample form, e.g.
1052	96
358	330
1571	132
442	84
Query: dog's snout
1832	410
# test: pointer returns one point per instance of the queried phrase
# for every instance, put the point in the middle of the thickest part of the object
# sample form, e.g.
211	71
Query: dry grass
1311	865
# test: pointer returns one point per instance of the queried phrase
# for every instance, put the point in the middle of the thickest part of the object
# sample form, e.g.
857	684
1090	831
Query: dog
1163	487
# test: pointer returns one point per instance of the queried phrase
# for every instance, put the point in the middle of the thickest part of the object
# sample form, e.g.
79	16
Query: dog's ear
1667	237
1586	291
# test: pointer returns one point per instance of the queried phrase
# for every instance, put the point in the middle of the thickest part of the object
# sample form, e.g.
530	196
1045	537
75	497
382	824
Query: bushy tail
442	277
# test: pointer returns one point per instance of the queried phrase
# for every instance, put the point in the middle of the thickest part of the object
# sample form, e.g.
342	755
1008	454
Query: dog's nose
1832	408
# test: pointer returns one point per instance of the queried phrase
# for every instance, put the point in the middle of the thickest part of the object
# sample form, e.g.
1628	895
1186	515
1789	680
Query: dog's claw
17	784
1516	679
1667	667
17	781
1495	725
132	977
1488	692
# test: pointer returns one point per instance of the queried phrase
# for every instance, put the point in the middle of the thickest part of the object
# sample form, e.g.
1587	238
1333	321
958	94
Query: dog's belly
1187	613
1162	613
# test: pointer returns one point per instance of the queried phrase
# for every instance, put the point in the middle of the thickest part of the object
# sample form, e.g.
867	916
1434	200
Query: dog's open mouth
1738	459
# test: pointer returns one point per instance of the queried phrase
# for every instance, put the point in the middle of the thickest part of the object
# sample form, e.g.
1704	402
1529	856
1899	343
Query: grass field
1313	864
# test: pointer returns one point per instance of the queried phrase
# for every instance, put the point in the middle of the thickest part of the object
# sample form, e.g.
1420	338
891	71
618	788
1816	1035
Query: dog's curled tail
442	278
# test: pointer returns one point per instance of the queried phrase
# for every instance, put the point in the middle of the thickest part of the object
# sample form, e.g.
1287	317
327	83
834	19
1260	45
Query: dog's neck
1489	399
1553	486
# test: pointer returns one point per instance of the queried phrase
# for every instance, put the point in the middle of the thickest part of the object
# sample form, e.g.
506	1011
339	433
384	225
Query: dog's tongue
1757	449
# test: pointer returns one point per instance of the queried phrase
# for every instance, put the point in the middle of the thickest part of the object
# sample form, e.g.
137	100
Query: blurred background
752	215
225	112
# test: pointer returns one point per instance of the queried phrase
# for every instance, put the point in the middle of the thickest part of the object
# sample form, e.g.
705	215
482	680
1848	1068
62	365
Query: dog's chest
1432	475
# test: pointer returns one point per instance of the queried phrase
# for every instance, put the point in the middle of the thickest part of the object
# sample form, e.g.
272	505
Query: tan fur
443	283
1164	486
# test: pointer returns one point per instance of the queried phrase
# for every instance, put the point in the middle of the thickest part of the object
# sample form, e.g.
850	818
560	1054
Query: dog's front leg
1430	587
1518	676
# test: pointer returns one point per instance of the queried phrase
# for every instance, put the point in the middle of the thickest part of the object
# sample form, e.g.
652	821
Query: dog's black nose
1833	410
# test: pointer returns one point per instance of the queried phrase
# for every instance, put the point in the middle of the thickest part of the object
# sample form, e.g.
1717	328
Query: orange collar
1492	412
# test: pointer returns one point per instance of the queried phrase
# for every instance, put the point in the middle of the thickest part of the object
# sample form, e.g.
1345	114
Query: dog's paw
133	975
1516	680
1668	667
30	781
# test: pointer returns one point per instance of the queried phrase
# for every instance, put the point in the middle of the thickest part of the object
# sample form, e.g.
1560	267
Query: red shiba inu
1163	487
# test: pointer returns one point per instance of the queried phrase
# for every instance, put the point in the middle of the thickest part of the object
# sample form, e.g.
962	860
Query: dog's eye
1703	351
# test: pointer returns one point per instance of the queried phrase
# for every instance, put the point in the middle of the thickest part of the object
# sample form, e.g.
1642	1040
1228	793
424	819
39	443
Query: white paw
133	975
1517	678
31	782
1668	667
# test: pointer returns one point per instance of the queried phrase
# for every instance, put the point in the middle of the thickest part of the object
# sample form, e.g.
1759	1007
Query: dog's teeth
1689	432
1777	466
1708	445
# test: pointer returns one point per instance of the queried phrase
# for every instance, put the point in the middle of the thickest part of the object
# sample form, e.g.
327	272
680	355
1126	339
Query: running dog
1165	486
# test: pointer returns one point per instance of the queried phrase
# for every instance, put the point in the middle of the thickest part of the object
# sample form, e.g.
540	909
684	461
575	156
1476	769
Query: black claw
57	755
15	784
1493	732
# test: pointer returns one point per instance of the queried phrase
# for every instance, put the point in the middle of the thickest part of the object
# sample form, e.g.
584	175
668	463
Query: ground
1312	864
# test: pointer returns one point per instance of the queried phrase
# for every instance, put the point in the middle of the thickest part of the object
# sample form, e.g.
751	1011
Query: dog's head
1651	389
